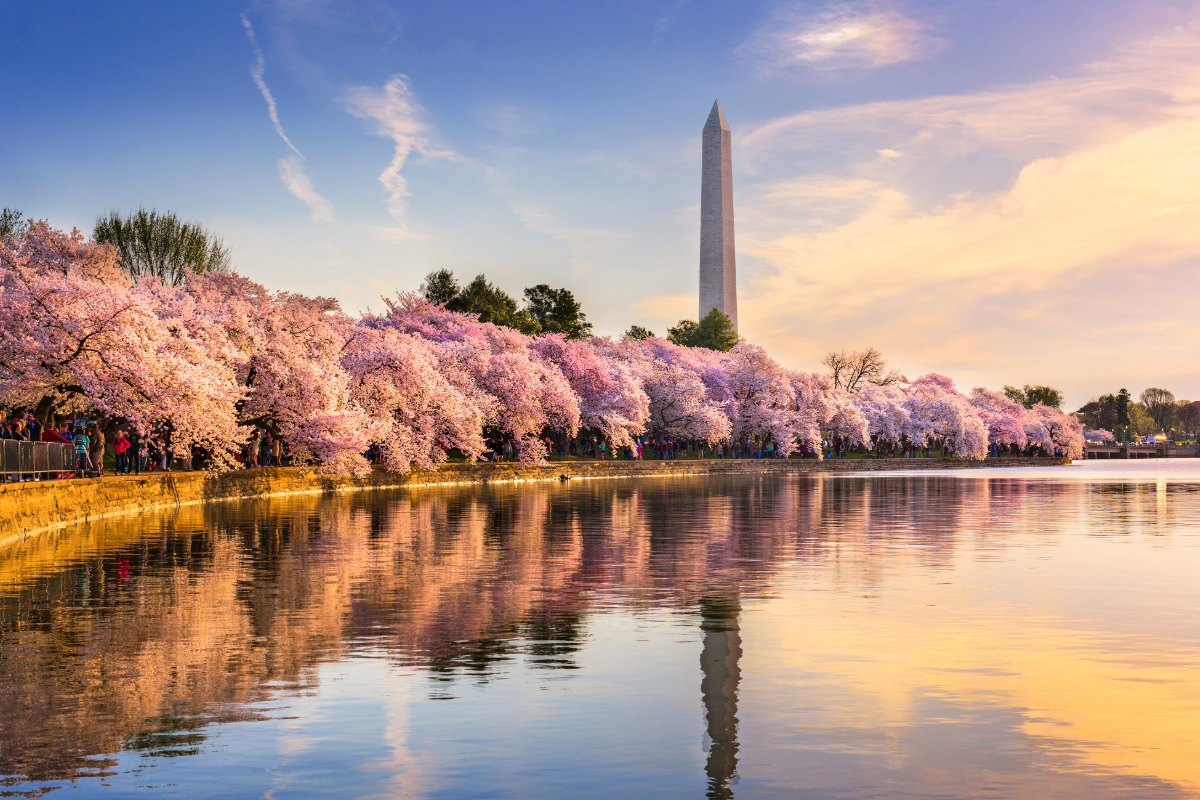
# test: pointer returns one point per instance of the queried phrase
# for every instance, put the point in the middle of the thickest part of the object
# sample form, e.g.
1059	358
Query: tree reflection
136	633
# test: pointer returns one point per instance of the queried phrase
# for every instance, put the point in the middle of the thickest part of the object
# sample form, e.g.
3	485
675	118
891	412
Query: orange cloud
1024	281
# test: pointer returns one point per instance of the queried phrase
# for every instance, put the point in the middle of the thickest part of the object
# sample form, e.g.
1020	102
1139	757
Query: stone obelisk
718	274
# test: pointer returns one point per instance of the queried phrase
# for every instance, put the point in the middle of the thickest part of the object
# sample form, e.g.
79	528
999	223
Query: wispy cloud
291	172
291	169
398	116
840	37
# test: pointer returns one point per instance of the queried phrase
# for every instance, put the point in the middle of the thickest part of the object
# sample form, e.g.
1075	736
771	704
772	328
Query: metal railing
47	459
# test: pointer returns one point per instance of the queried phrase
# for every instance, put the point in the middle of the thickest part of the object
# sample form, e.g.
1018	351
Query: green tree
440	287
639	333
1089	413
1110	411
1033	395
546	310
714	332
683	334
1140	422
12	224
1102	414
557	311
1159	405
494	305
162	245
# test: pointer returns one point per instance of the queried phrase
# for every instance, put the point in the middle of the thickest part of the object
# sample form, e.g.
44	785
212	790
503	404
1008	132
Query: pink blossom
76	336
1061	429
1005	418
523	395
680	404
937	411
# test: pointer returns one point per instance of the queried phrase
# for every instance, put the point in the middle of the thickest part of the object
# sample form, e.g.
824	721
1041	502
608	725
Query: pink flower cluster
222	355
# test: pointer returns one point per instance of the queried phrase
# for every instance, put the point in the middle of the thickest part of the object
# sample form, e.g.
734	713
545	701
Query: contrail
257	73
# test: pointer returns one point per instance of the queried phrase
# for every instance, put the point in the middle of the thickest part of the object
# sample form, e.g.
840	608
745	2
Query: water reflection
719	665
856	637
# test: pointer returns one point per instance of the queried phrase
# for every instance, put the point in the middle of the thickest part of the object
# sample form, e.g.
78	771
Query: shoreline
28	509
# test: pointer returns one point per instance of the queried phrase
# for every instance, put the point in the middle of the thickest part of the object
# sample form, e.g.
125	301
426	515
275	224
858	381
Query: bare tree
853	371
1160	405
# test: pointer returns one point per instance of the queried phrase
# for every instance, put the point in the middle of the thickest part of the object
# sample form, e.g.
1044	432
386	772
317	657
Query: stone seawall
29	508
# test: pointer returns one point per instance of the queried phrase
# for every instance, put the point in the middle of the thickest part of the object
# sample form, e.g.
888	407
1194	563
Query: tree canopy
557	311
546	310
1189	416
162	245
714	332
12	224
440	287
1031	396
1106	413
638	333
1160	406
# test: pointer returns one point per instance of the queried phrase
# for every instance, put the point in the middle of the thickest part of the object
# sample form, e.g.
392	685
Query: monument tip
716	119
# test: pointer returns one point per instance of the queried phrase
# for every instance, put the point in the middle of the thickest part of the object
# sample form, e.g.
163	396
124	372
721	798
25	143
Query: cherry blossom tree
680	404
219	354
1004	418
888	417
1062	430
419	415
285	350
77	336
848	420
524	395
938	411
610	398
761	398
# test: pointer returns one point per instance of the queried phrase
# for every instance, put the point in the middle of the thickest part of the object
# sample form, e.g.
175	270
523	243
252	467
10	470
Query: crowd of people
93	454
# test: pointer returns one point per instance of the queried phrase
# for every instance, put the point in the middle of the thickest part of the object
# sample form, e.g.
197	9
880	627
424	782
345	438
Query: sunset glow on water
991	633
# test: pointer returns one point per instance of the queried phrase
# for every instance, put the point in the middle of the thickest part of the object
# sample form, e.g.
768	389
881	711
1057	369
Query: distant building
718	273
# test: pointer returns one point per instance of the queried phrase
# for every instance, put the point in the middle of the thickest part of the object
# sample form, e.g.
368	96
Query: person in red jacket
121	446
51	435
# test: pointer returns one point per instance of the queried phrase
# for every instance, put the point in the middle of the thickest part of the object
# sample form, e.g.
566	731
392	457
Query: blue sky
999	191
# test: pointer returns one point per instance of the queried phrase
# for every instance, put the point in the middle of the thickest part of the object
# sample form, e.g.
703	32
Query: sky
1003	192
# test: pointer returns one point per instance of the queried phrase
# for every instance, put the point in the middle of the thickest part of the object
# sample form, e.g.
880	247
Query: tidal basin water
992	633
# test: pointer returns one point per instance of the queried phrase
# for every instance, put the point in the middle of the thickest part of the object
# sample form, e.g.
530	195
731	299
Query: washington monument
718	274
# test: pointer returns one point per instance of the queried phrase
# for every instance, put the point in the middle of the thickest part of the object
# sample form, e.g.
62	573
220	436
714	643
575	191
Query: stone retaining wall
28	508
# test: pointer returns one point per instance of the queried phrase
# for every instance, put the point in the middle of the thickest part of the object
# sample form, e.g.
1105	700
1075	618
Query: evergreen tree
440	287
714	332
639	333
494	305
557	311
